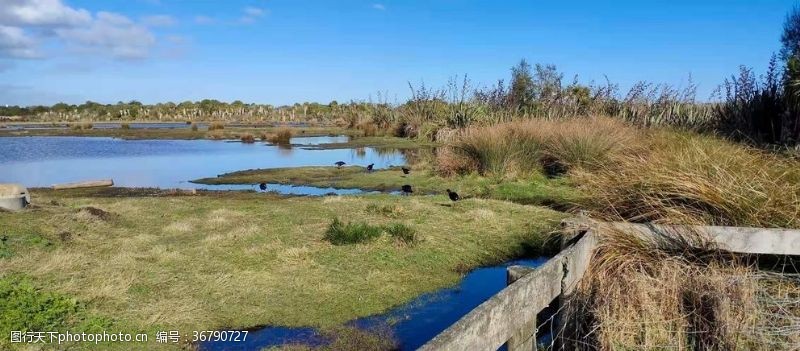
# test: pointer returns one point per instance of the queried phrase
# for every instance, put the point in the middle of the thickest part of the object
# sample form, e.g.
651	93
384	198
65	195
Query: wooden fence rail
509	317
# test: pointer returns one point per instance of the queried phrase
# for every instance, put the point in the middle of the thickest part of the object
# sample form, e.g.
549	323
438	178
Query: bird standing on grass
453	195
407	189
262	186
406	170
369	167
339	164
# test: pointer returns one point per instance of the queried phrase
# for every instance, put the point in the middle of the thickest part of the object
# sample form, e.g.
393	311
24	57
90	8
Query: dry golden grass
282	136
216	126
247	138
554	146
662	292
686	179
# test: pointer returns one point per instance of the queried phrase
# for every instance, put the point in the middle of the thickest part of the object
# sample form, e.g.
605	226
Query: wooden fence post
523	339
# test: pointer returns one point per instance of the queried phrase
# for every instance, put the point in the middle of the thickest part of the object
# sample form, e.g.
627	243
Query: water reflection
43	161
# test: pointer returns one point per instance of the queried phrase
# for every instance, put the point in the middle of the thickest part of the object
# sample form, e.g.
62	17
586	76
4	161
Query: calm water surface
43	161
412	324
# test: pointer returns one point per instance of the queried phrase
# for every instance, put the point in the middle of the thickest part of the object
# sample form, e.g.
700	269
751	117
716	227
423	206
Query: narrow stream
411	325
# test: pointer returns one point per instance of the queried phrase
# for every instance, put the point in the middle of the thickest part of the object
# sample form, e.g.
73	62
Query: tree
790	39
521	94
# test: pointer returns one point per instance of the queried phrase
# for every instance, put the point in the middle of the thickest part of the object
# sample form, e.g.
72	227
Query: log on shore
84	184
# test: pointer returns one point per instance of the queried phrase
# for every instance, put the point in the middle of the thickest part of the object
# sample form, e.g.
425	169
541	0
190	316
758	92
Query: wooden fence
509	317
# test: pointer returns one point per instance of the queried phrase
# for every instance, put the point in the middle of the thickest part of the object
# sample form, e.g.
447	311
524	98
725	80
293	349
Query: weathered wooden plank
491	324
84	184
734	239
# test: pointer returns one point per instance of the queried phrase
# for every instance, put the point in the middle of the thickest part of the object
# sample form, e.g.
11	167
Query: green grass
533	190
339	233
236	260
402	232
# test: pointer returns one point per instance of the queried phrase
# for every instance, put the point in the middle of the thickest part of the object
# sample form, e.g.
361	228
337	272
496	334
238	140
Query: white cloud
379	7
27	24
15	43
159	21
41	13
112	34
200	19
253	11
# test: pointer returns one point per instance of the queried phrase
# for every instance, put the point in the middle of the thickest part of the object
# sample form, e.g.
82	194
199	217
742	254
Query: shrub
282	137
27	308
402	232
125	126
339	233
247	138
194	126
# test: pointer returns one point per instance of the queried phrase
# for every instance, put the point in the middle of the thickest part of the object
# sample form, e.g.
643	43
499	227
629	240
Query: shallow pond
43	161
411	325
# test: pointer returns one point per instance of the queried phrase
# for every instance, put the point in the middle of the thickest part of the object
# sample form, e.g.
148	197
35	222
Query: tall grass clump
673	291
340	233
519	148
247	138
216	126
281	137
687	178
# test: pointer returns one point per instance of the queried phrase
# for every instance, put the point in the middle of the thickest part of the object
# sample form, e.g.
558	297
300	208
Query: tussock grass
402	232
81	126
194	126
339	233
690	179
673	291
247	138
125	126
554	146
282	136
216	126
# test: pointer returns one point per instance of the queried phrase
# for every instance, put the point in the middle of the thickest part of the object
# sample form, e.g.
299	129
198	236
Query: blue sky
281	52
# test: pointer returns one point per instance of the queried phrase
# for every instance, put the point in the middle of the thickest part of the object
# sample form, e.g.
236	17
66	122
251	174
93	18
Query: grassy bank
240	260
535	189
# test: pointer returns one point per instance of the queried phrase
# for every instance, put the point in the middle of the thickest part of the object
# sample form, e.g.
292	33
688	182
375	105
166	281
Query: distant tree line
760	110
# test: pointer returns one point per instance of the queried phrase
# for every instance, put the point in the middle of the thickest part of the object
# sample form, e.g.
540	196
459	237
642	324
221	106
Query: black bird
453	195
262	186
369	167
339	164
406	170
407	189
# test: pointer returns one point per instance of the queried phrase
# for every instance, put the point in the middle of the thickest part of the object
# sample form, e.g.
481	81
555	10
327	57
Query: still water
43	161
411	325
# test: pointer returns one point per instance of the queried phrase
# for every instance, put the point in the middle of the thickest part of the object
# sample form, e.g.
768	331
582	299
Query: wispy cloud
252	14
379	7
